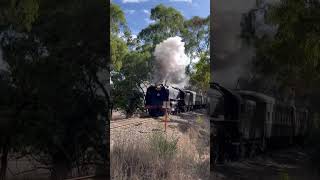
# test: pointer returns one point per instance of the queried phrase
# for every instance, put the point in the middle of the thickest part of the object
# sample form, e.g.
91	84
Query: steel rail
130	123
83	177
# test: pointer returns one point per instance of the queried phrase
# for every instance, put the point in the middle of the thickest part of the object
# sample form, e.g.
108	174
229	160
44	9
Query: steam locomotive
180	100
247	122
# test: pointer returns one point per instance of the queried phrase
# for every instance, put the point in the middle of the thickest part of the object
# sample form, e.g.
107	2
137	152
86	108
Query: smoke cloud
170	63
230	56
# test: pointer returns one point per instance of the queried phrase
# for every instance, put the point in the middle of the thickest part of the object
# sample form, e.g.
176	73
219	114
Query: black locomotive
180	100
246	122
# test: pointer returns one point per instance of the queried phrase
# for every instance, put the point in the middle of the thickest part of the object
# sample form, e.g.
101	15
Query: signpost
166	106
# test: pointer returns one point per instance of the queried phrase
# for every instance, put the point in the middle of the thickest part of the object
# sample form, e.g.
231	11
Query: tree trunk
110	107
4	160
60	166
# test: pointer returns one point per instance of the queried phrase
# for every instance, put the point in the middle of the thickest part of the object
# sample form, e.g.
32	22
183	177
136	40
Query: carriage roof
190	91
257	96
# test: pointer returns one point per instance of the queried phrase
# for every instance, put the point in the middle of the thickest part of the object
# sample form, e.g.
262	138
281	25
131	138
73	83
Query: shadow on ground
292	164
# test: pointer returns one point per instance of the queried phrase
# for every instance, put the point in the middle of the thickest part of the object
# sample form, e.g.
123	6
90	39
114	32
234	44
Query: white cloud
149	21
121	35
111	82
146	11
133	1
194	58
188	1
129	11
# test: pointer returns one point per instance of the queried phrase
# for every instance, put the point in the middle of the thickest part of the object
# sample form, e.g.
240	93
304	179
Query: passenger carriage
248	121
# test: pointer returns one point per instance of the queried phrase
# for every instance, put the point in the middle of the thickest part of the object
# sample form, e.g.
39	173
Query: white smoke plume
231	57
170	63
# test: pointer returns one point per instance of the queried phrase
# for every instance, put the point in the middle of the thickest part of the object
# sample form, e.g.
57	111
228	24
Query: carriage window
219	109
243	110
286	118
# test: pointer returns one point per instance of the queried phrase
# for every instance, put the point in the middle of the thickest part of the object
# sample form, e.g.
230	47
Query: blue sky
138	11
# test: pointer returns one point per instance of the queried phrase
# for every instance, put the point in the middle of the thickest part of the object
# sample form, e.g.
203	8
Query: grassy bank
158	158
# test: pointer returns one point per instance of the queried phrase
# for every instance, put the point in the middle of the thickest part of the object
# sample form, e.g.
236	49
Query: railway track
125	123
184	117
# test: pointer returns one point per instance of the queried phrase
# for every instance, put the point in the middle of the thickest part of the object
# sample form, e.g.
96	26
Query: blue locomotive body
154	99
180	100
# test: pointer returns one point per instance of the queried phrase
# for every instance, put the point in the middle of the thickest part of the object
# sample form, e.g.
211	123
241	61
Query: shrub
162	146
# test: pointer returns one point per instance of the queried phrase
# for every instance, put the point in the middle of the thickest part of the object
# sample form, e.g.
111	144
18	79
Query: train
244	123
180	100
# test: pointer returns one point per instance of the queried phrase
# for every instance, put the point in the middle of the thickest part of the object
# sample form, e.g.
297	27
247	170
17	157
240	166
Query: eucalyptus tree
18	15
168	22
196	35
118	46
59	97
197	44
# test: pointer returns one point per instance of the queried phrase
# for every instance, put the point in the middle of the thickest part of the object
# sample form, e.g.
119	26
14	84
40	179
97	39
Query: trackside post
166	105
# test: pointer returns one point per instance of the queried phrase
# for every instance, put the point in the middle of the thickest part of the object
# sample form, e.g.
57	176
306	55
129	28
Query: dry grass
157	158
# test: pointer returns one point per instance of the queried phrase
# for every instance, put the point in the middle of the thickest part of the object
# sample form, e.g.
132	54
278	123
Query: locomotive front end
224	109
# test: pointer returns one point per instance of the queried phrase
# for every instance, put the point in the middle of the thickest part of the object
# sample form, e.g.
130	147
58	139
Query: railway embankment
142	148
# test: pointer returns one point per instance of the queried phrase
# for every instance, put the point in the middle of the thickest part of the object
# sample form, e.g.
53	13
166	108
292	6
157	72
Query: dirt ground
190	129
286	164
185	126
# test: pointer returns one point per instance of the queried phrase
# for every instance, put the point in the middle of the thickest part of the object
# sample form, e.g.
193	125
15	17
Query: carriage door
268	122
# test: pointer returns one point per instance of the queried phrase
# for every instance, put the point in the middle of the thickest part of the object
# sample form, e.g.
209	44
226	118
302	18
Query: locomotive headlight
173	102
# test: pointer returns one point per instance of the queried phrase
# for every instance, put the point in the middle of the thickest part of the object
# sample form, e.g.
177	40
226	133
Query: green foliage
127	92
292	55
27	12
196	35
58	86
119	49
162	146
284	175
20	14
117	19
168	22
201	77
